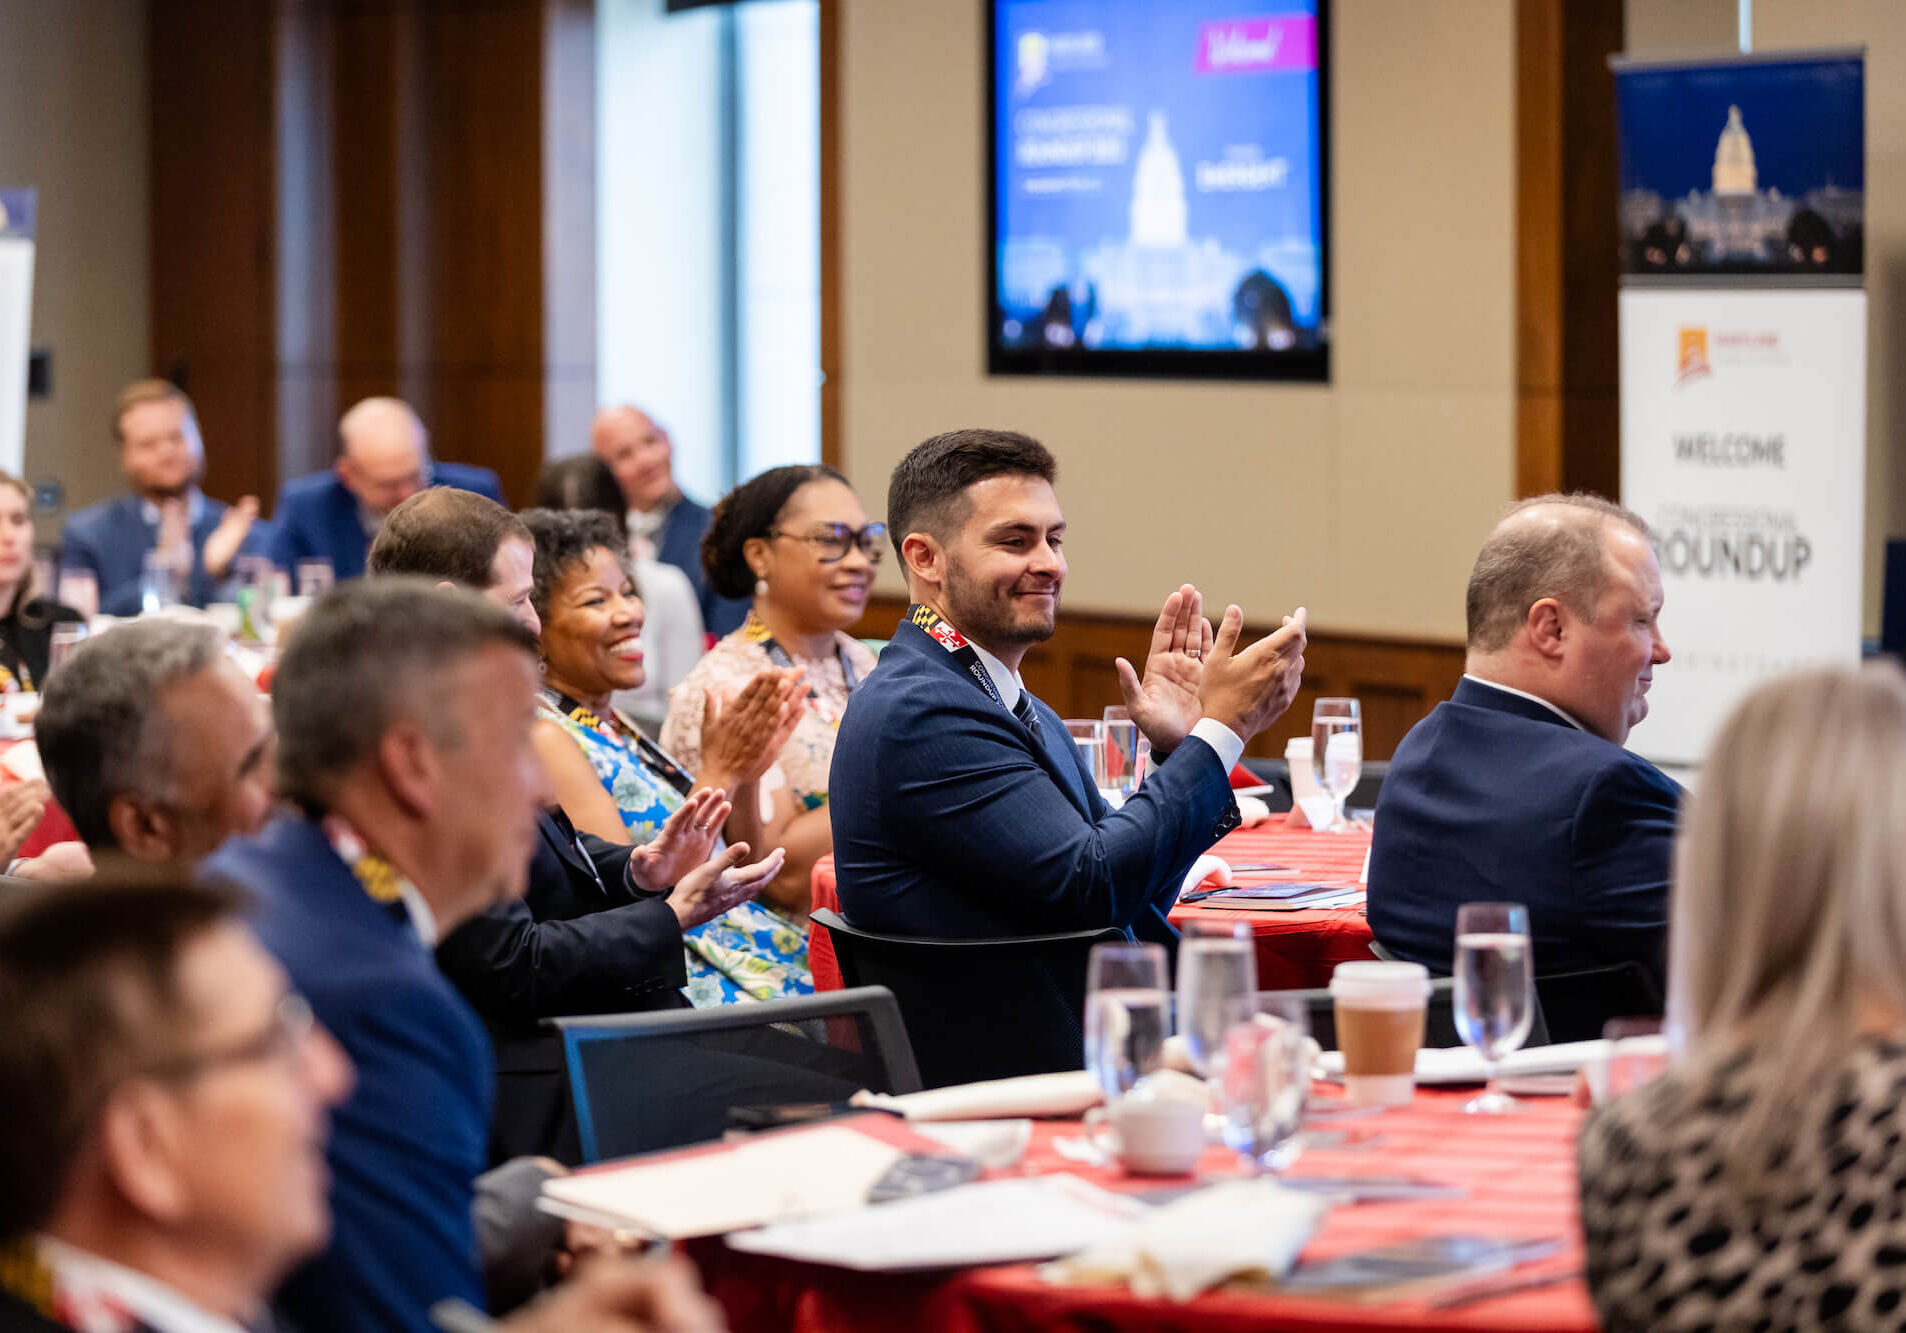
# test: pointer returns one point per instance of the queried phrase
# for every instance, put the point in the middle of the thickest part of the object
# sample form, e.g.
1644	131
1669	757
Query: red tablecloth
1295	950
1519	1172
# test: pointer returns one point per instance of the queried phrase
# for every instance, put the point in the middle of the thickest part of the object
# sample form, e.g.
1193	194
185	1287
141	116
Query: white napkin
1206	867
1064	1094
1253	811
994	1143
1244	1228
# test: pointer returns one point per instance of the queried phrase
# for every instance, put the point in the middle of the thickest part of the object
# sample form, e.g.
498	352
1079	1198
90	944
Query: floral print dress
749	952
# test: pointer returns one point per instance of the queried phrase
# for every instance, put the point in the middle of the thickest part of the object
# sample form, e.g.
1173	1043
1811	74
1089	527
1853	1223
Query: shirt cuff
1226	742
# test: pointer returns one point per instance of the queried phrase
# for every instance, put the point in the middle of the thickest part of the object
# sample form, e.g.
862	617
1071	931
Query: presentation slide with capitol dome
1158	187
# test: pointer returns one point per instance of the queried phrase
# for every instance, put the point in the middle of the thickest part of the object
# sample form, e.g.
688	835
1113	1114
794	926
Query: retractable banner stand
1743	369
17	209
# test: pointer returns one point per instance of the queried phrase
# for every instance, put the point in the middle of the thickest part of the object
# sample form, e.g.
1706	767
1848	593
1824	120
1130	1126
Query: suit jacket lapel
560	834
1063	766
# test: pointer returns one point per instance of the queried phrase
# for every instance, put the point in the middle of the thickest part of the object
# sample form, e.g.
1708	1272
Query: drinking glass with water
1495	990
1126	1014
1217	987
1336	749
1266	1082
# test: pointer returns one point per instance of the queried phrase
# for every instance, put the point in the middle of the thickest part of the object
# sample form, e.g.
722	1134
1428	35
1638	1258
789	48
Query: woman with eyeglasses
799	541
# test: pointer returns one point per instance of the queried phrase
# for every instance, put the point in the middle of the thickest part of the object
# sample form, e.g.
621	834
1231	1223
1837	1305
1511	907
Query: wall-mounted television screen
1158	188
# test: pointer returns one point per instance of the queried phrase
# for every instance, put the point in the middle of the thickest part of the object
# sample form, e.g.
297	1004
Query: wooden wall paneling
1398	680
1567	266
212	228
307	277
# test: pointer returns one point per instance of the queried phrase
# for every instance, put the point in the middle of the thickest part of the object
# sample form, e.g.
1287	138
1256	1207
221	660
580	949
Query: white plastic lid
1380	985
1297	747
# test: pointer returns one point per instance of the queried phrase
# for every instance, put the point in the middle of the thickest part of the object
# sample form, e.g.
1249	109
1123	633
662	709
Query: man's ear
923	557
1547	624
139	1149
143	832
412	768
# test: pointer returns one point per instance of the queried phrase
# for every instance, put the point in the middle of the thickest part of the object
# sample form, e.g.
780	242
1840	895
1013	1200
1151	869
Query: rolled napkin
1252	811
993	1143
1243	1228
1066	1094
1214	868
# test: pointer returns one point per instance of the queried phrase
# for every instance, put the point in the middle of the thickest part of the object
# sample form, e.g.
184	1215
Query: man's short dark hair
90	989
101	731
1545	546
367	656
565	538
747	512
444	533
928	490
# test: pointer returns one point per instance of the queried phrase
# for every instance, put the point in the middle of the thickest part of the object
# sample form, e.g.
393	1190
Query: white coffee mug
1150	1135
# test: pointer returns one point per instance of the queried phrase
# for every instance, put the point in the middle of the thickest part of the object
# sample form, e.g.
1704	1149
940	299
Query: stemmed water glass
1122	755
1265	1081
1495	990
1336	749
1126	1014
1217	987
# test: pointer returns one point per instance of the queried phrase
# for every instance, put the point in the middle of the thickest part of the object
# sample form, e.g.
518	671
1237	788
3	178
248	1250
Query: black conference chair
648	1081
1439	1027
978	1009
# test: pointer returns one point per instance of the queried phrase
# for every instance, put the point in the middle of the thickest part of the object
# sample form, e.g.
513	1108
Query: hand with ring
1165	702
683	843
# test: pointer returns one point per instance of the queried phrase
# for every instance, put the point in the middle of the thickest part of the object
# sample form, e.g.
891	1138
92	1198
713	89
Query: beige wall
1364	499
73	123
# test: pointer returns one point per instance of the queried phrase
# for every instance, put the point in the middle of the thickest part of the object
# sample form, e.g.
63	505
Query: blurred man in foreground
162	1165
383	460
404	714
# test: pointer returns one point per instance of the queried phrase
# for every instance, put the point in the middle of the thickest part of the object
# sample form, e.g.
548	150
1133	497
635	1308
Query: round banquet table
1295	950
1519	1172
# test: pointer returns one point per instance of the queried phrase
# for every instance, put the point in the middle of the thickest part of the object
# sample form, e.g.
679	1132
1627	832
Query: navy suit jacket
409	1142
580	941
317	517
680	544
1494	798
112	538
951	820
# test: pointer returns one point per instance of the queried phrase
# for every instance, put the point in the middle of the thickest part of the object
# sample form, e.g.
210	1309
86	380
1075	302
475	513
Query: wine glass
79	589
1126	1018
1265	1081
1088	733
160	582
1495	990
1217	986
1336	749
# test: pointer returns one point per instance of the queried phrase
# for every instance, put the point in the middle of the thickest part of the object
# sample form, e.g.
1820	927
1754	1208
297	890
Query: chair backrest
977	1009
643	1082
1579	1004
1439	1022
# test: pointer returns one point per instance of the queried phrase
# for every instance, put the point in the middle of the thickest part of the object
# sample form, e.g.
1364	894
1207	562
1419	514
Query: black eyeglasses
291	1022
832	540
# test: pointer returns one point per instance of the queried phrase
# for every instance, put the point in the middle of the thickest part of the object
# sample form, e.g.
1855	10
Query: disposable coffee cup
1380	1014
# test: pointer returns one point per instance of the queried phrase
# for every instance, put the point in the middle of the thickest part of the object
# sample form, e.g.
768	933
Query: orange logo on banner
1692	363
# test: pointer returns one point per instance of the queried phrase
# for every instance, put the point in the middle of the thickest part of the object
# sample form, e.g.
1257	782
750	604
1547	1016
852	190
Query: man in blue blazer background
383	460
961	807
404	715
1517	789
162	457
642	456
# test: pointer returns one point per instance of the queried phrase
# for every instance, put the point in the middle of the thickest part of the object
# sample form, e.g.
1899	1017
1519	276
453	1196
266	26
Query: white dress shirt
1224	742
1524	694
80	1276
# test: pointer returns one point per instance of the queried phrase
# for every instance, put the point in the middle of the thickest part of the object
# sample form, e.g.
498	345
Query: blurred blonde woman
1762	1182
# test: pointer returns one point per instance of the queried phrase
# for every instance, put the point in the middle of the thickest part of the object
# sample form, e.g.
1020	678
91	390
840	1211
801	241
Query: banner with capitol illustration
1743	369
17	219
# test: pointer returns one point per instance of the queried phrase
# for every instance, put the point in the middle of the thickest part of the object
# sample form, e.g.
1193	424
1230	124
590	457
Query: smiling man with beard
961	807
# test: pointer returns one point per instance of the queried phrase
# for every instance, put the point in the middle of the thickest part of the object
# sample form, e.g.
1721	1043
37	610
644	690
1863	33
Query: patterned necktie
1023	711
